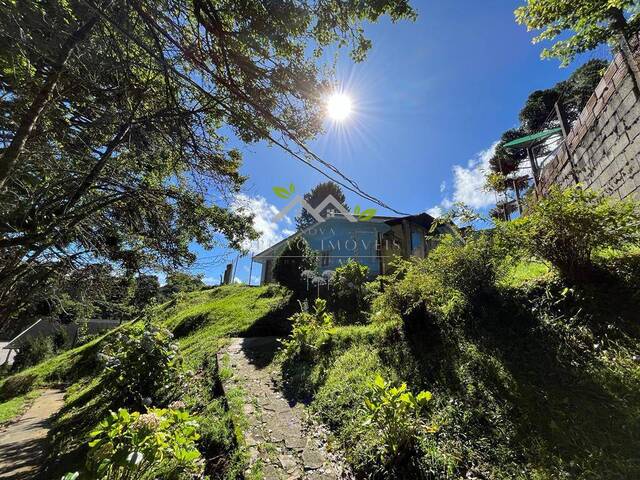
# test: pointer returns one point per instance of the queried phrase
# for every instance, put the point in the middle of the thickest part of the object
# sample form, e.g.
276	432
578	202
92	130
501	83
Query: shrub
143	366
349	289
309	329
132	445
394	412
469	266
33	351
296	257
568	226
446	283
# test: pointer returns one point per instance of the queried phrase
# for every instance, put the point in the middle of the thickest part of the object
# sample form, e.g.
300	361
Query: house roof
422	219
530	140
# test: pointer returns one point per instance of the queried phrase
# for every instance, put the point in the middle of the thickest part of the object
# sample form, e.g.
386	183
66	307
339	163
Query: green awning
530	140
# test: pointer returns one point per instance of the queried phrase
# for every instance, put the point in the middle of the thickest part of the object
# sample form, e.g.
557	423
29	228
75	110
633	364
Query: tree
581	85
583	24
147	290
296	257
110	118
573	94
538	114
182	282
317	196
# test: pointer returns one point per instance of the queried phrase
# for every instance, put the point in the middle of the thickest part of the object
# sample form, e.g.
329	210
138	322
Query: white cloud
468	184
263	221
237	280
436	211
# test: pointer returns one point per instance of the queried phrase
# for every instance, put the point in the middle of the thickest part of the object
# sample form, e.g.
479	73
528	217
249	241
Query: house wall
339	239
372	243
603	148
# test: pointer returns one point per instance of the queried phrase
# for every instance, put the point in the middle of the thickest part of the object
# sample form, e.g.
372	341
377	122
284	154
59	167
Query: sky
429	103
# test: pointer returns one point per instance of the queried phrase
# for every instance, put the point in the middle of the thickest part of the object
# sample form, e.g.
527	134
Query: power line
350	185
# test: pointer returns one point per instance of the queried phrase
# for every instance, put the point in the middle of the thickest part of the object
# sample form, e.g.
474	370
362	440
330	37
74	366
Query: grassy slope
517	394
200	322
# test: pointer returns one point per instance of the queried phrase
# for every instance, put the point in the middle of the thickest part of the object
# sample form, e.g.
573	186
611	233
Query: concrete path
280	435
23	443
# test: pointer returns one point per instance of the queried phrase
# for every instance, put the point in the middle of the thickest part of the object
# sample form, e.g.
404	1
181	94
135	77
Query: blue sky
429	101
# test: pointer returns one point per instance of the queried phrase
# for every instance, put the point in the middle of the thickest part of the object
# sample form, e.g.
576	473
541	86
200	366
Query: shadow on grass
275	322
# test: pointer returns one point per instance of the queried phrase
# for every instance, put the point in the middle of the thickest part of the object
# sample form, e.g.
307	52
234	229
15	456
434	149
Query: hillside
466	364
200	322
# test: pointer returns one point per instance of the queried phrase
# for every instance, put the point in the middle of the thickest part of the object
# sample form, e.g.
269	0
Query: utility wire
351	184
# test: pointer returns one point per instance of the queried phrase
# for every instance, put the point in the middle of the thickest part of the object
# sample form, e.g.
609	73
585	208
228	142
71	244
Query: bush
348	290
143	366
394	412
568	226
447	283
133	445
33	351
296	257
309	329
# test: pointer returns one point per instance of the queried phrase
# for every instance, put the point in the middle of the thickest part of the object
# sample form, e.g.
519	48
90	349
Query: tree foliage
182	282
581	24
296	257
317	196
536	115
110	118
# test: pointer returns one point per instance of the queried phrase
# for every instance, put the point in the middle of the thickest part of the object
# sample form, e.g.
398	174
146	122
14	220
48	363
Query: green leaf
379	382
423	397
292	188
70	476
356	210
281	192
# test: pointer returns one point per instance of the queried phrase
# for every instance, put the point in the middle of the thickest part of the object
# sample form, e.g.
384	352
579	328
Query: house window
324	259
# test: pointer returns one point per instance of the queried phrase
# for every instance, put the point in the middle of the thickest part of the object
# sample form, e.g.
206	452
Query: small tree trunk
16	147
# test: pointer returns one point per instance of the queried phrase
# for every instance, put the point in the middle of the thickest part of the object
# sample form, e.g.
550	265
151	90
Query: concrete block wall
602	151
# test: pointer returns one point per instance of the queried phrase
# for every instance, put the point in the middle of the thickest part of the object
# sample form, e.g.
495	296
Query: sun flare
338	106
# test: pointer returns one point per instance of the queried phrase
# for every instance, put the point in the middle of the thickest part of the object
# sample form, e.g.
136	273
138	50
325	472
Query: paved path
280	436
23	443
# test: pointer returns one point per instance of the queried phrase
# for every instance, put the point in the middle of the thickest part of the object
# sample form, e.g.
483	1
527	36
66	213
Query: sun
338	106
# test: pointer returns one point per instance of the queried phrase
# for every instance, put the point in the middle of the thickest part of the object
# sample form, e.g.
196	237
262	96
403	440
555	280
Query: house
373	242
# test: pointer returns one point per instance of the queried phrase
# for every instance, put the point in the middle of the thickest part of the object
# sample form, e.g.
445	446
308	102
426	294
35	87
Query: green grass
200	322
16	406
538	382
523	272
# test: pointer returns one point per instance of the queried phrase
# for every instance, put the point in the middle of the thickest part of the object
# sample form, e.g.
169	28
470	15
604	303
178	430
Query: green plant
582	26
308	329
296	257
348	292
453	279
143	365
131	445
395	414
568	226
33	351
